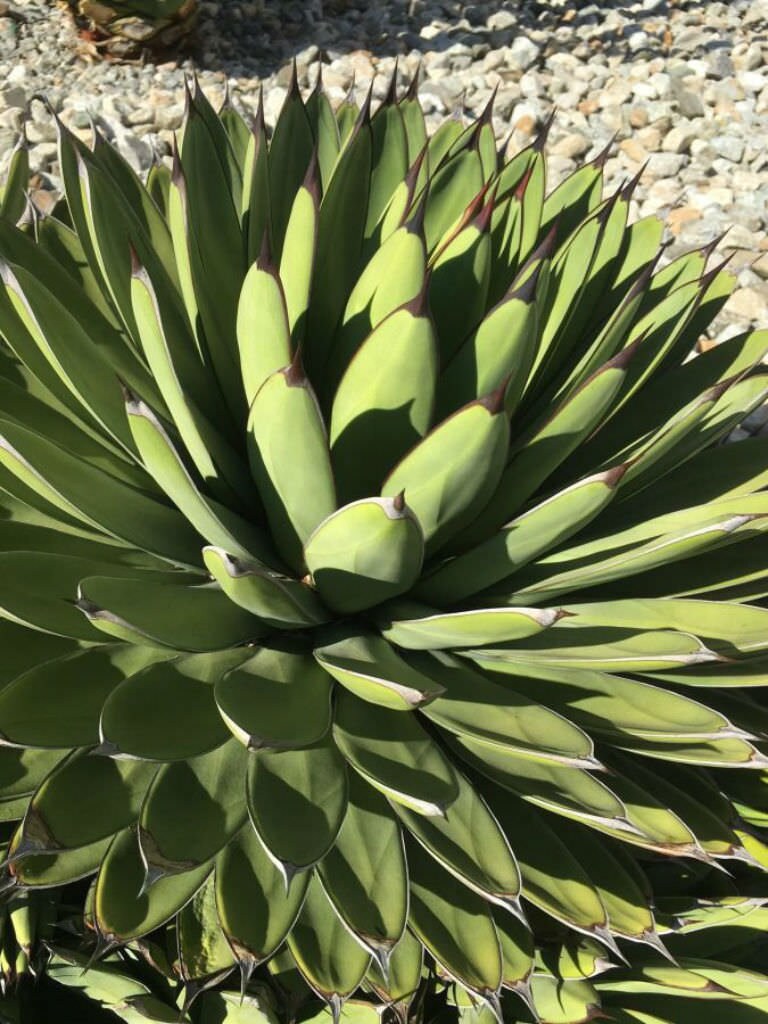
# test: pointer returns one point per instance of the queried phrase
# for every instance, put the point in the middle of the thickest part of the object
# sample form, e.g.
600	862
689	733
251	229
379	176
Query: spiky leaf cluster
378	600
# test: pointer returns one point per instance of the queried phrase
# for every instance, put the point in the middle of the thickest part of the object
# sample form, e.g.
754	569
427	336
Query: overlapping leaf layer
377	597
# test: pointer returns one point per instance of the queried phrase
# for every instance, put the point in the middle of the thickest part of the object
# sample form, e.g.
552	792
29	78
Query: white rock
662	83
705	198
501	20
753	58
558	167
645	91
19	73
523	111
638	41
739	237
138	152
495	59
665	192
170	117
752	81
729	147
523	53
531	84
273	101
37	133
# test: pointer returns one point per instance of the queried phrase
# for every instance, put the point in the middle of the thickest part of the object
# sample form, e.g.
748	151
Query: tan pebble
638	117
650	138
760	266
683	215
750	303
44	200
588	107
634	150
704	344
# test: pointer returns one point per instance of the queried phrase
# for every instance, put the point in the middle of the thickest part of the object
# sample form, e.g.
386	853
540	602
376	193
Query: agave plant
570	986
128	29
381	613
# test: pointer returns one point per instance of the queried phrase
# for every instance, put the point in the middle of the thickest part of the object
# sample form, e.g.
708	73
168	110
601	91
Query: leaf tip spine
294	374
525	292
412	92
494	400
612	477
541	139
294	91
390	96
601	159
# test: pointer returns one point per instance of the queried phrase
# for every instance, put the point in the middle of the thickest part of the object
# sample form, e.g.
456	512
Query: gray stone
13	96
679	70
689	104
8	139
756	420
738	434
665	165
12	118
719	64
729	147
140	115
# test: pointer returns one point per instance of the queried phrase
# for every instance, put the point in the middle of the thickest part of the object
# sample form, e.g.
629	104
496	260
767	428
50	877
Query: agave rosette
716	978
373	580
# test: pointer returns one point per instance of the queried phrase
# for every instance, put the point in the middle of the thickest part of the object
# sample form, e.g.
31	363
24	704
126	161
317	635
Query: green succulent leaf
297	800
382	610
383	560
256	908
365	873
371	669
330	959
394	754
455	924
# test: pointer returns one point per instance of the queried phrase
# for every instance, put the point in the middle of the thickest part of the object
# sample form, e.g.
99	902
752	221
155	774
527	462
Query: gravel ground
681	85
